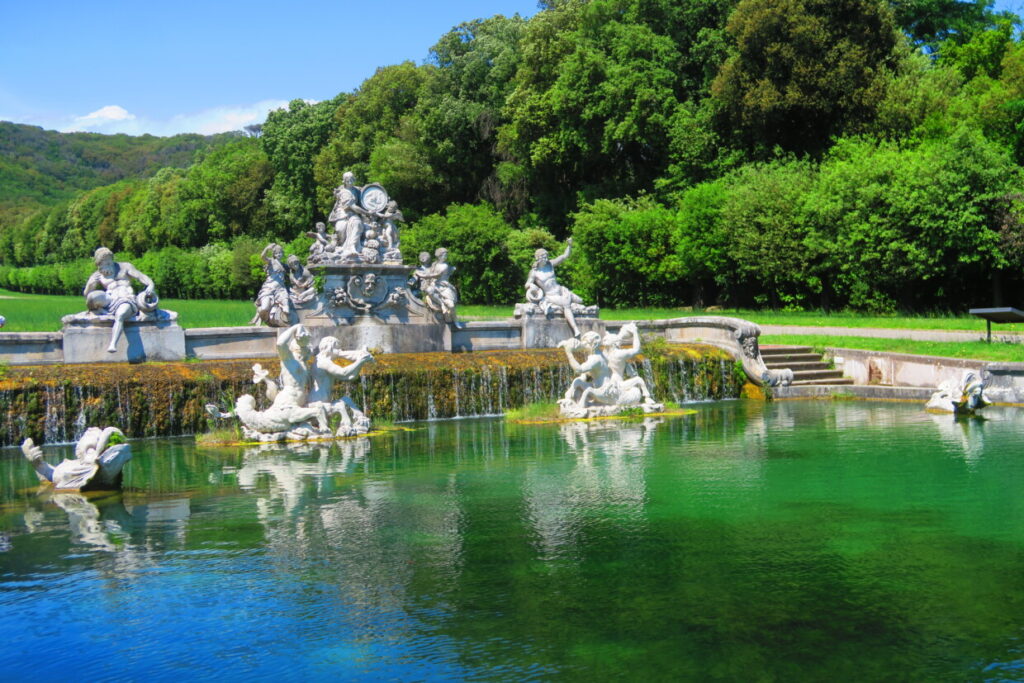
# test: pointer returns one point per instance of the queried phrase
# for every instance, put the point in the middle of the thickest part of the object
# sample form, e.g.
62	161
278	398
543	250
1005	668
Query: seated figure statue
109	291
96	465
544	292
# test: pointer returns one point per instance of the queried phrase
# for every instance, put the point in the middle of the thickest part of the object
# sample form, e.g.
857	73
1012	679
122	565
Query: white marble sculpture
432	281
605	384
365	221
300	405
95	465
325	371
273	304
301	290
960	398
546	295
347	218
109	296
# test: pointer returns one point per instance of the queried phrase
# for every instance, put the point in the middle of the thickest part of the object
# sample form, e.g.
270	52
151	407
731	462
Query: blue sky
192	66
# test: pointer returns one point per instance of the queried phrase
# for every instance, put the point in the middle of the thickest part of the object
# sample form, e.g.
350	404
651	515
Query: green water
779	542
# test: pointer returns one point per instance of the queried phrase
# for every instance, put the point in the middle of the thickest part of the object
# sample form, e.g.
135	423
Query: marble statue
960	398
322	244
300	395
432	280
365	224
544	292
96	465
605	383
325	371
300	280
108	292
389	236
347	217
273	303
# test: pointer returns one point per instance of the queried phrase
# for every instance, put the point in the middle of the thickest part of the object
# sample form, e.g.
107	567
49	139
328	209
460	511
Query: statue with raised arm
273	304
347	217
290	413
605	385
325	371
97	463
591	374
109	291
542	286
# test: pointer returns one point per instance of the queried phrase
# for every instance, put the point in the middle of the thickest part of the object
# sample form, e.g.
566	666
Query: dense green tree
476	237
292	138
804	71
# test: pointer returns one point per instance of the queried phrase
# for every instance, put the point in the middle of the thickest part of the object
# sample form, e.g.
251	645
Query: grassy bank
42	312
996	351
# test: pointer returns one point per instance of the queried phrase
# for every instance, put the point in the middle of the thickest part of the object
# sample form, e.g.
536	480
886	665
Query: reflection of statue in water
961	398
436	291
301	393
347	216
324	373
273	305
109	292
96	465
542	287
602	387
301	281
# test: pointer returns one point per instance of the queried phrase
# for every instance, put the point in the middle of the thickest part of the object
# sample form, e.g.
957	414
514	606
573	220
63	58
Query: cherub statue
301	281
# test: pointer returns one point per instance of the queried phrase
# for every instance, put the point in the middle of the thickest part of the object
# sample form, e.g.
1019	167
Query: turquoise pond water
840	541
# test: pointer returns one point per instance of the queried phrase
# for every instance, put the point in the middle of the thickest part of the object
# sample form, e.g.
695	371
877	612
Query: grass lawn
42	312
977	350
963	322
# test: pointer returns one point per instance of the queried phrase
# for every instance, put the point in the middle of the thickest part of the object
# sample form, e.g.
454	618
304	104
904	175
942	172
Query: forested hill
806	153
40	167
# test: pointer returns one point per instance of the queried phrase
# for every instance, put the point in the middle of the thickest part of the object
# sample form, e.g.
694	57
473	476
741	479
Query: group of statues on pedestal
606	383
288	285
301	407
365	224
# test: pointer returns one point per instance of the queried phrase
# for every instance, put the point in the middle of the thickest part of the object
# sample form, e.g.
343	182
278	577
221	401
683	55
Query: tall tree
803	71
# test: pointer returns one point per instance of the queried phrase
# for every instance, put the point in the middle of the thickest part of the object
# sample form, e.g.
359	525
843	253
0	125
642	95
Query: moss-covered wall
52	403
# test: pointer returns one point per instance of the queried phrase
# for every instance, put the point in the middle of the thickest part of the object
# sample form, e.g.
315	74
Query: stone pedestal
370	305
544	329
86	342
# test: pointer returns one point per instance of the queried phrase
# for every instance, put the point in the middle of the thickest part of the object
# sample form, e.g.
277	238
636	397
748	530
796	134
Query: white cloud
115	119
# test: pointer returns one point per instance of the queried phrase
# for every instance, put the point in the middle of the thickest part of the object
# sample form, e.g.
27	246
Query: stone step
786	361
800	367
805	375
832	381
782	350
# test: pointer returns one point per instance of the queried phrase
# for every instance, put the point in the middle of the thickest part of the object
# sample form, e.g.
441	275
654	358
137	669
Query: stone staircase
807	366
